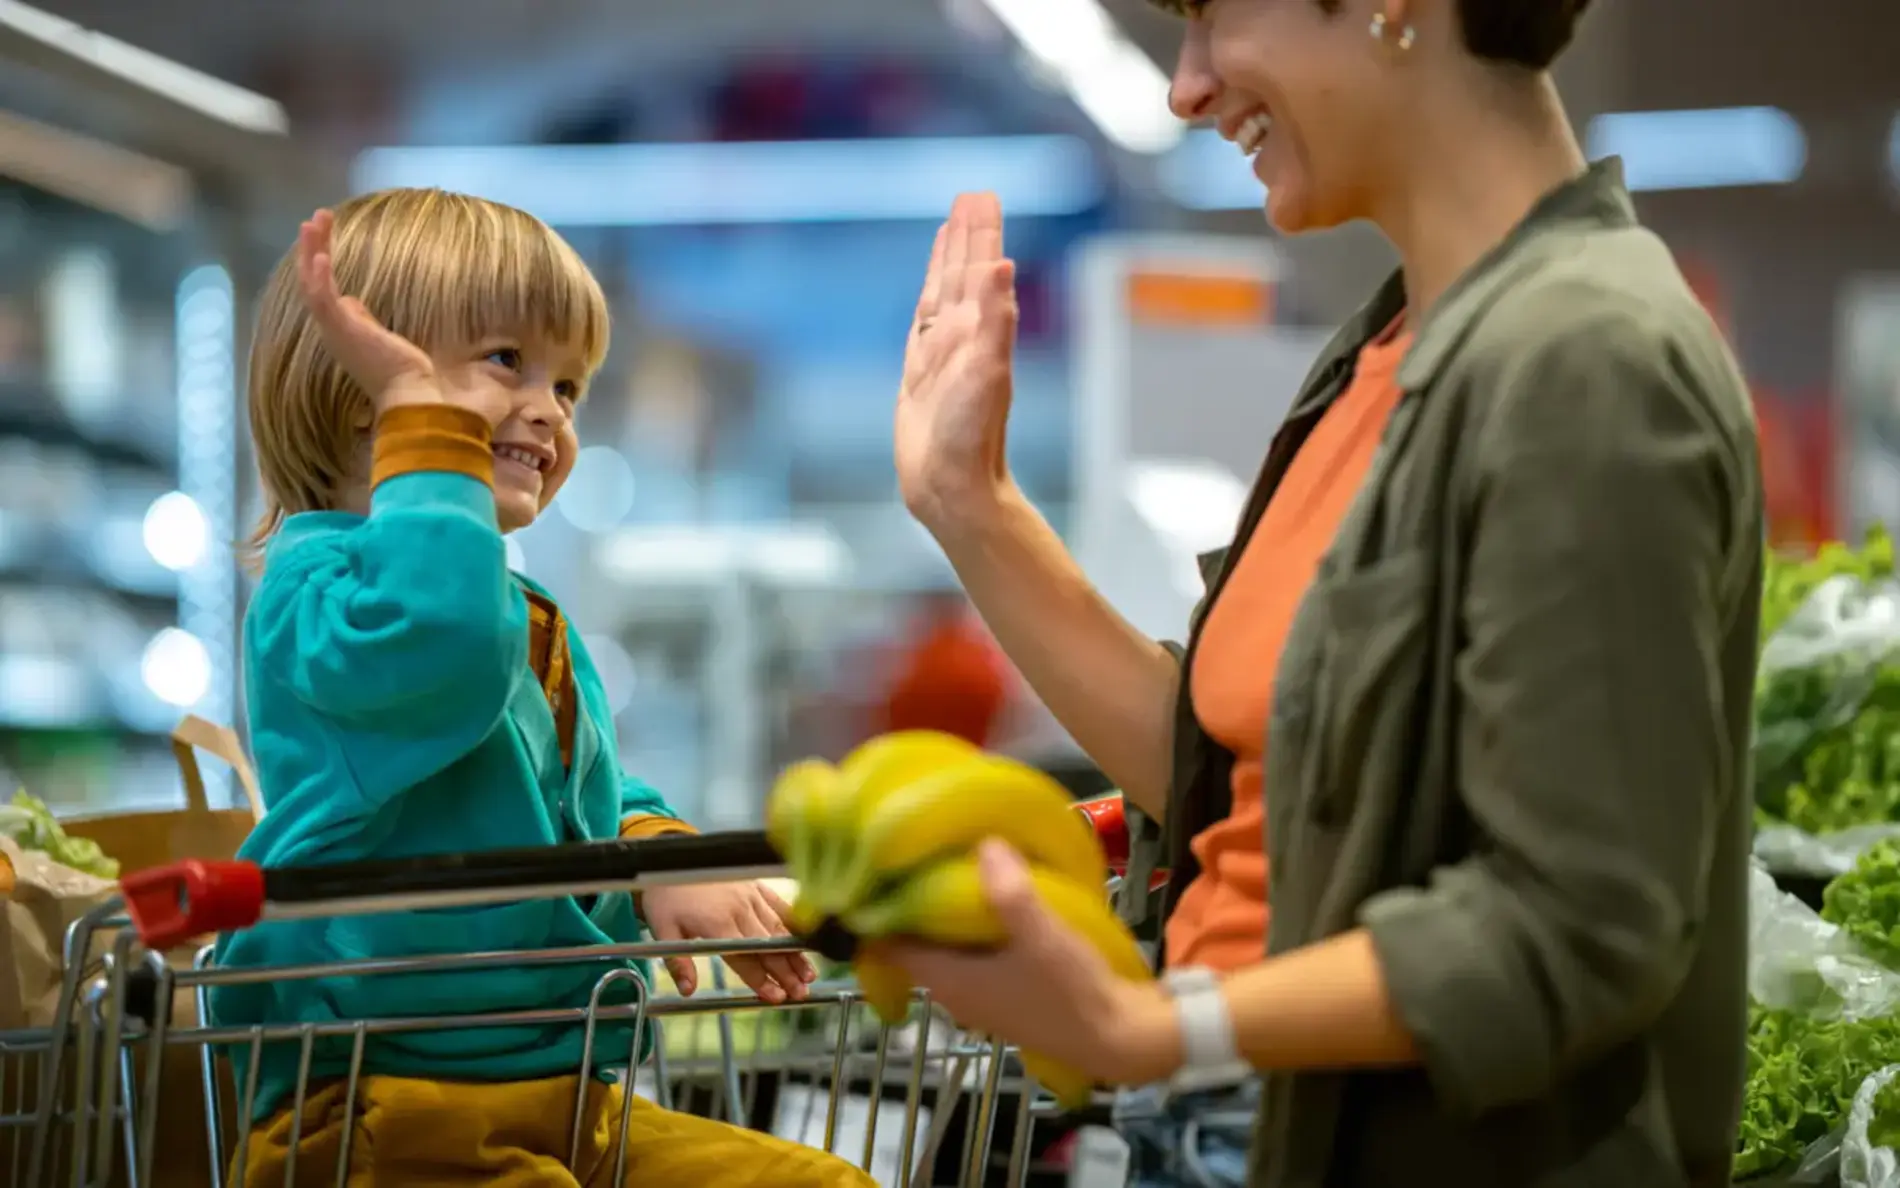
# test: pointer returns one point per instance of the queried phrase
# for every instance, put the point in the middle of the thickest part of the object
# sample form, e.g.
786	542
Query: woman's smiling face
1305	91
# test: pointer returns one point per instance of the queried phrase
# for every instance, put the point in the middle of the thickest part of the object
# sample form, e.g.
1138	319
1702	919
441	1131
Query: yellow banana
946	904
956	809
802	819
1072	1090
899	757
814	807
863	780
884	986
892	761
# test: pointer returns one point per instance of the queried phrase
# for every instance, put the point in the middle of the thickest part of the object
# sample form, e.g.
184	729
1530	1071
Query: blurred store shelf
232	143
135	193
30	412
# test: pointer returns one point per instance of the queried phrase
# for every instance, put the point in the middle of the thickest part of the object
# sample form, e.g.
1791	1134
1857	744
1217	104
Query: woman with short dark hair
1454	764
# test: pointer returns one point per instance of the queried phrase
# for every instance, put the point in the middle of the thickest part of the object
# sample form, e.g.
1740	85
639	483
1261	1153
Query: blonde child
409	695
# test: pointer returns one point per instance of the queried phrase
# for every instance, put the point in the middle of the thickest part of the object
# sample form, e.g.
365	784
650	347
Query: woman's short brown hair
437	268
1525	33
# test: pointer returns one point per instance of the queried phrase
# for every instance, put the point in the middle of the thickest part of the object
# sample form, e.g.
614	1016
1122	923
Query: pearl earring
1407	35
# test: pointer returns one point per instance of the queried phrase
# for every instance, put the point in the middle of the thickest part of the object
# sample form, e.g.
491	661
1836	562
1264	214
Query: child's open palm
392	370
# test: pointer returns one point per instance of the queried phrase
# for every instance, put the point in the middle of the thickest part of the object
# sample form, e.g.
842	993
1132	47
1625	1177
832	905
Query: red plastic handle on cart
1110	821
171	904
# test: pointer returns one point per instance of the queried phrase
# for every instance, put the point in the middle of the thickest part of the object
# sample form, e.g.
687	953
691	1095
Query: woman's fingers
956	256
996	298
931	299
986	230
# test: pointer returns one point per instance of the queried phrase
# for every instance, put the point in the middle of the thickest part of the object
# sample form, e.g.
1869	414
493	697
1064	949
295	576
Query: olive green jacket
1510	729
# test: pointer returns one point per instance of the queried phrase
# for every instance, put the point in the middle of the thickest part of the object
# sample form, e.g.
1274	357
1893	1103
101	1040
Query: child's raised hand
728	911
390	368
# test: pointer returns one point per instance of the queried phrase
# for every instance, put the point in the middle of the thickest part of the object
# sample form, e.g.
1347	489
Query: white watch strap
1211	1057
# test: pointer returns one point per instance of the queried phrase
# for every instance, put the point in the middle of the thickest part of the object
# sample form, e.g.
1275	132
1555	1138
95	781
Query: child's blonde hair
438	269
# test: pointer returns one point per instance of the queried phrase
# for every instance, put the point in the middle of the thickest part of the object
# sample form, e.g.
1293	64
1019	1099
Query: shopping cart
92	1099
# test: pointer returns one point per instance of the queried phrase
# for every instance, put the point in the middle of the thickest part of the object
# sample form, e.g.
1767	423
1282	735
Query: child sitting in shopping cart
409	695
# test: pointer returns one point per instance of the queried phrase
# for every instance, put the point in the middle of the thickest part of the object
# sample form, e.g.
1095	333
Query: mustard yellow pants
432	1134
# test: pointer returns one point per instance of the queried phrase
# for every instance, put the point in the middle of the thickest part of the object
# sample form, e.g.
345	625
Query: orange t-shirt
1220	920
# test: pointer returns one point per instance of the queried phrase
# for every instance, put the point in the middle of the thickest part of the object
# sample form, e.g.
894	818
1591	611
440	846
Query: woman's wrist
1150	1029
969	512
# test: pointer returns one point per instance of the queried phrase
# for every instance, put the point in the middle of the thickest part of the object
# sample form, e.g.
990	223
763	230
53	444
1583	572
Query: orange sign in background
1159	297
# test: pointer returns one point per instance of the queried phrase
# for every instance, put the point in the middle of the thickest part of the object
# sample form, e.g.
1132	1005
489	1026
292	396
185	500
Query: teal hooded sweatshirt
394	713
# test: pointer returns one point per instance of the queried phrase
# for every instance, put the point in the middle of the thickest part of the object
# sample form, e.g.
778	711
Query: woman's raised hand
953	407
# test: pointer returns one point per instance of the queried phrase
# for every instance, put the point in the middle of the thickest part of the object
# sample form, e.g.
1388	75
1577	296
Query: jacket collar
1594	199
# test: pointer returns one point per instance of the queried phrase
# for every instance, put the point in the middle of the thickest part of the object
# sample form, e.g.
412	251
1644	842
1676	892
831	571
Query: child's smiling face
535	444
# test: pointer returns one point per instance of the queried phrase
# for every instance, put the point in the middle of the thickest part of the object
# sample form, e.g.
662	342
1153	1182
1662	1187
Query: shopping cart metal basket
92	1099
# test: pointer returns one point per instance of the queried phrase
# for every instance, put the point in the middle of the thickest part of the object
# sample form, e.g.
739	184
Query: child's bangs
475	270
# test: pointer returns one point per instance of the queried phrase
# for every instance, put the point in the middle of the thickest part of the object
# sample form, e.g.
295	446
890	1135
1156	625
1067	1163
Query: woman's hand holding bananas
886	844
1085	1018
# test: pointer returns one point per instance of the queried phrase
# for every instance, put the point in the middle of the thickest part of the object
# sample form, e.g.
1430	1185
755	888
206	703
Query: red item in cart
952	677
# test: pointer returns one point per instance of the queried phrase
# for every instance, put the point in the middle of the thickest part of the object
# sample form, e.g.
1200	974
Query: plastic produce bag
1799	962
1823	1017
1787	850
1868	1159
1827	738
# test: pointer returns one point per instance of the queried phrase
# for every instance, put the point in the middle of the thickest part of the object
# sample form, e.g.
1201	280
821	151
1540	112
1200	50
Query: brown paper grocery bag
42	900
39	900
140	841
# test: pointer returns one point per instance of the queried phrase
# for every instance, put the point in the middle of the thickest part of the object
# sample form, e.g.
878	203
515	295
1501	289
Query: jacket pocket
1375	623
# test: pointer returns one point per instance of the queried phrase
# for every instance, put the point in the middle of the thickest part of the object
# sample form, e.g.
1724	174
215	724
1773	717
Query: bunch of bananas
884	845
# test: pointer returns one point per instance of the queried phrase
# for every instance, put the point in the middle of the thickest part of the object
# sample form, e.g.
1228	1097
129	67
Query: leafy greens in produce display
1803	1073
1823	1021
1789	580
1827	700
1865	902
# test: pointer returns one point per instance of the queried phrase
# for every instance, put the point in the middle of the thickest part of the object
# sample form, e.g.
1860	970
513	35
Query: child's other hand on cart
729	911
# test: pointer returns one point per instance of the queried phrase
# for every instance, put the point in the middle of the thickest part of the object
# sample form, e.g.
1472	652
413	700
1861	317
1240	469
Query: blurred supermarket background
755	183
